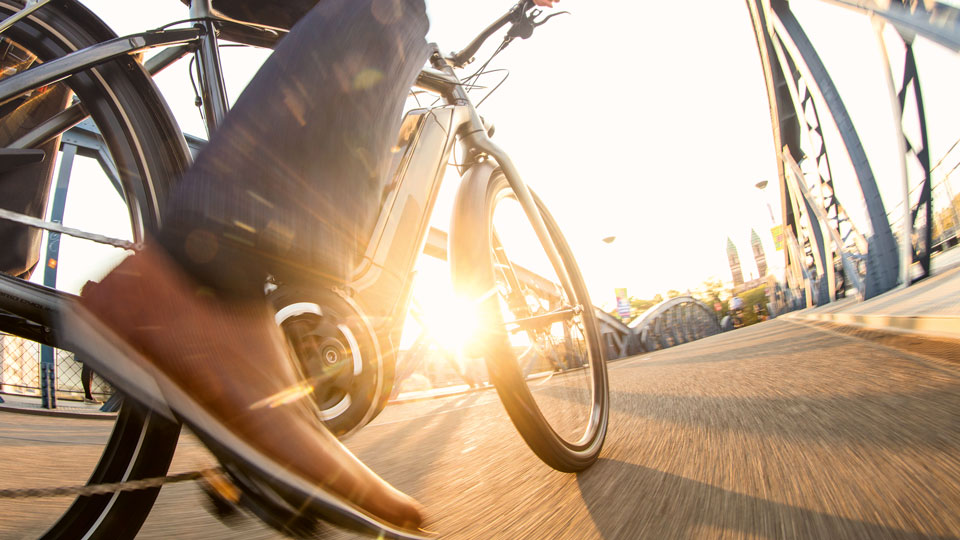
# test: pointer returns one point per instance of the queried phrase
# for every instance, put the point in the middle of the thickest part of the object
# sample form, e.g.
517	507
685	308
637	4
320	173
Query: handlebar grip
464	57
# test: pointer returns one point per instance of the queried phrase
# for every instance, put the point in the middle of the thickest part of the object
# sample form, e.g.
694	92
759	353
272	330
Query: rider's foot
223	368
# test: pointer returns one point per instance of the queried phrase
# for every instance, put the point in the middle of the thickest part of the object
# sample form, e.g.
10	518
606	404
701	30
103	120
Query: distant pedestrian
86	380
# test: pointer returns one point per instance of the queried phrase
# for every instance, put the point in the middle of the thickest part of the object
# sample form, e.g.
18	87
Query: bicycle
561	411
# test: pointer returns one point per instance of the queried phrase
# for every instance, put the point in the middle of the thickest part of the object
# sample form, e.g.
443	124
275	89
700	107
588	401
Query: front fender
469	232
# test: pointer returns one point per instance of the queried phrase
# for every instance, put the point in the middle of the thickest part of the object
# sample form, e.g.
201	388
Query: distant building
734	263
758	254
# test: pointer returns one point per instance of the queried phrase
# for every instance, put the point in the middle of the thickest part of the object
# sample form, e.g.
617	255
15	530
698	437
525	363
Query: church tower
758	254
734	263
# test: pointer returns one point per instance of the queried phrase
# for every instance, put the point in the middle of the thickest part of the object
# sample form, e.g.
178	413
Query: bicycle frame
382	281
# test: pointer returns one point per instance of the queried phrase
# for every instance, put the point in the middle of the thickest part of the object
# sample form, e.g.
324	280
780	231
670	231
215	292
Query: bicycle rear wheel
542	347
144	153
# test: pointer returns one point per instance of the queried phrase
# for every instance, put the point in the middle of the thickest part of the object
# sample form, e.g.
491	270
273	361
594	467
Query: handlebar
517	15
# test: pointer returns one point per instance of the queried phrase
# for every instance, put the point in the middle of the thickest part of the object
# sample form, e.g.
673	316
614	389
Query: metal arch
788	58
833	216
884	274
663	306
673	322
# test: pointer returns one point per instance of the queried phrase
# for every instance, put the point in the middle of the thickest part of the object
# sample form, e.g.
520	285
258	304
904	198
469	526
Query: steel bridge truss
674	321
825	252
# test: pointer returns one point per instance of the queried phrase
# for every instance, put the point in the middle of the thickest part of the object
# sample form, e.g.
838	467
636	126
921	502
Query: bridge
838	420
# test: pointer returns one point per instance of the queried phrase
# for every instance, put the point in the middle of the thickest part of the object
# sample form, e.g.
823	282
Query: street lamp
608	240
761	185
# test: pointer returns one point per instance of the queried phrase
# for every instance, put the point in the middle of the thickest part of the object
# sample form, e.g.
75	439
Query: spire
734	260
758	254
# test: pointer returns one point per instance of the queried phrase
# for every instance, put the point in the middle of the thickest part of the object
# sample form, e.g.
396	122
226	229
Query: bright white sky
644	120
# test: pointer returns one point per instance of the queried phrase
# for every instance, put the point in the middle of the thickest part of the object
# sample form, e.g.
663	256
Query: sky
647	121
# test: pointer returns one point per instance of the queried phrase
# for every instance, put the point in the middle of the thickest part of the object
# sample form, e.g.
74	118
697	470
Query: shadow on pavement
646	503
921	419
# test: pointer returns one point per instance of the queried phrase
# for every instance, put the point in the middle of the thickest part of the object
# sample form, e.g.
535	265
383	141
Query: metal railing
20	371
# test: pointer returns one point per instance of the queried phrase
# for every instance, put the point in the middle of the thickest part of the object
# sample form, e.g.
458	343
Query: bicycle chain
100	489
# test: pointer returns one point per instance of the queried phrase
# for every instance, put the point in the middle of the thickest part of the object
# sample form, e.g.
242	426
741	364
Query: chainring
338	353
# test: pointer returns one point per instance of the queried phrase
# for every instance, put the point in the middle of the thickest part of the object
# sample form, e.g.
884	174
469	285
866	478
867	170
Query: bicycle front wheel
125	155
541	344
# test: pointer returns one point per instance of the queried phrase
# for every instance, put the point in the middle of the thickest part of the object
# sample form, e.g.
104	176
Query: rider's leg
289	186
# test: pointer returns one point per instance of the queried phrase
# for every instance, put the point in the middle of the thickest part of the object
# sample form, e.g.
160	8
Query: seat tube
213	89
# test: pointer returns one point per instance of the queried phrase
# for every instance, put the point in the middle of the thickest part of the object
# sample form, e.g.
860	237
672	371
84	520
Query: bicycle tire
149	153
474	267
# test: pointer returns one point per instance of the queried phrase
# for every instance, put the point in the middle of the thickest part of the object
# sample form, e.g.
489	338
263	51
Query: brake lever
523	27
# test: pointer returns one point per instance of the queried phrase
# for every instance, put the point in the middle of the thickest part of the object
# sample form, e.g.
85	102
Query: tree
639	305
710	293
751	298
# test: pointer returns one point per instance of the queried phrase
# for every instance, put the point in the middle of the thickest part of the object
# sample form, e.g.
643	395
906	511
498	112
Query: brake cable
525	24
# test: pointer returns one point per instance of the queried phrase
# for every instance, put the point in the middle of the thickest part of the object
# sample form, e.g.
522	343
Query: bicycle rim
145	154
541	347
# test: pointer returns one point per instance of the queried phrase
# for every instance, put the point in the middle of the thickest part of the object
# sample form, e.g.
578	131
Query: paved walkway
930	308
33	405
785	429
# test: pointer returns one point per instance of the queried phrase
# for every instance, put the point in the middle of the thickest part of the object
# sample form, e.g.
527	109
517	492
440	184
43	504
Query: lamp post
762	185
608	240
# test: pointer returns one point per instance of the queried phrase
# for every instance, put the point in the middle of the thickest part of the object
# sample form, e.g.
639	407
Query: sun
446	318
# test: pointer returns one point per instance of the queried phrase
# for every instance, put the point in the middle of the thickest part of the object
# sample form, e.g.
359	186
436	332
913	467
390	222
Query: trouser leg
291	184
86	381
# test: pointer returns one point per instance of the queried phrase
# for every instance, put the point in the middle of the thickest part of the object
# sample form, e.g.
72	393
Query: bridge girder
797	84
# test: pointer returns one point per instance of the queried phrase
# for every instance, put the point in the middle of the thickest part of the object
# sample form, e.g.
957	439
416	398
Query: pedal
14	158
222	496
230	504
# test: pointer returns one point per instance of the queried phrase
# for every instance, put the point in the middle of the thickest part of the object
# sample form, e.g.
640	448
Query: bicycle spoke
18	16
70	231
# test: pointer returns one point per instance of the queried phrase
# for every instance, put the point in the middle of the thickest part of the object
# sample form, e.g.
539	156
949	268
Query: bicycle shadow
633	501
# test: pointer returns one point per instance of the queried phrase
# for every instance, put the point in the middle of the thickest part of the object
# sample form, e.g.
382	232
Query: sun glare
454	325
443	316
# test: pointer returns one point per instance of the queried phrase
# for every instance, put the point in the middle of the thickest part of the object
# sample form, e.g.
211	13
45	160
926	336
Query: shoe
223	369
92	401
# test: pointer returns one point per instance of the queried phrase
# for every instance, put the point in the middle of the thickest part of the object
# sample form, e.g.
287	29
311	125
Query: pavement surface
930	309
71	408
785	429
